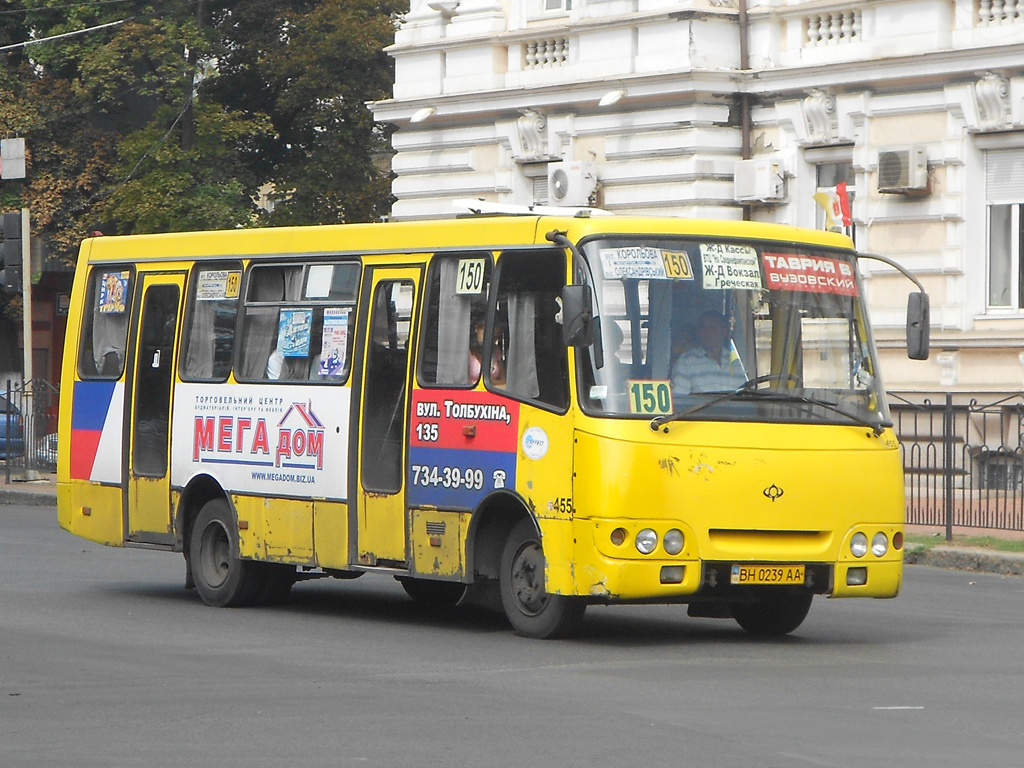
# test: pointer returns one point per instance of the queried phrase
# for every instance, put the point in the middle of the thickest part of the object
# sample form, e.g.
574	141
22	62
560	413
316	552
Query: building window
557	5
1004	198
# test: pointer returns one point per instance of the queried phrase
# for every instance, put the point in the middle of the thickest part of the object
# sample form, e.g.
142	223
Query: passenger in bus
476	345
712	363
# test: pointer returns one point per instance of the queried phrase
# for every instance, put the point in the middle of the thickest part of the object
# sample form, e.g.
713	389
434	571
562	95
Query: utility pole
28	412
12	166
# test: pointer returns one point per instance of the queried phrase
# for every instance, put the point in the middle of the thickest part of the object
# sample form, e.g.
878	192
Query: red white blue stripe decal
93	408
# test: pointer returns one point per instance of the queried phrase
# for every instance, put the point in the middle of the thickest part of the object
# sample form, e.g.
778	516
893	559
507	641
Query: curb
967	559
43	497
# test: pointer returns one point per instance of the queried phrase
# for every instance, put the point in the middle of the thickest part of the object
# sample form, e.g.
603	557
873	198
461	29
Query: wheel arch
200	490
489	528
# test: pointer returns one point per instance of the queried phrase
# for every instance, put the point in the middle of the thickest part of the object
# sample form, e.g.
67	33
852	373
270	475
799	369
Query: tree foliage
178	115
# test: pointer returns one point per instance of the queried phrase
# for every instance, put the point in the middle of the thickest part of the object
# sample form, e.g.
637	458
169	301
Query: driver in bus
712	363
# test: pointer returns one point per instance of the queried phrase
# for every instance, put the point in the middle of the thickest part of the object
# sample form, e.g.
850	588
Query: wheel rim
215	555
527	580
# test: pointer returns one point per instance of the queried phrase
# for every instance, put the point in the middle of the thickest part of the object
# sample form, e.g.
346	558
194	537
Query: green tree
177	115
310	67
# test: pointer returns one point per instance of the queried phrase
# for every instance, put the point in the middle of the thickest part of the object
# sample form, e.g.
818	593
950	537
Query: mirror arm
580	266
581	269
895	265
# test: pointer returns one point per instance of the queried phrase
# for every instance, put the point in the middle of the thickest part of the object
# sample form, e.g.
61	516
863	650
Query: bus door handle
156	359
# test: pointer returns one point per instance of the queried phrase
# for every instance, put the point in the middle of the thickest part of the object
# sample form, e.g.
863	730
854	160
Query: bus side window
209	333
267	291
331	339
457	291
529	287
105	326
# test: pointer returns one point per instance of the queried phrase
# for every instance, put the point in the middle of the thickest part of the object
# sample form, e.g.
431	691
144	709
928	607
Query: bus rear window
105	325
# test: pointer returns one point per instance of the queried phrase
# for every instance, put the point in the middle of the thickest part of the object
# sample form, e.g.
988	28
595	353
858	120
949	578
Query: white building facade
745	108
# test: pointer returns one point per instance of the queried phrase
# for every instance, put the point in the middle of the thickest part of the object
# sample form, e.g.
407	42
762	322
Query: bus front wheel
531	610
221	579
773	614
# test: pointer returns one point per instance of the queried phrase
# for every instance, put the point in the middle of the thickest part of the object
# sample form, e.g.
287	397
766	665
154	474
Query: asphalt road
105	660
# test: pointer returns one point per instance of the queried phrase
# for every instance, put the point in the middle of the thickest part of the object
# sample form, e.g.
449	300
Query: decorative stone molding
820	116
833	28
529	139
546	53
992	92
997	12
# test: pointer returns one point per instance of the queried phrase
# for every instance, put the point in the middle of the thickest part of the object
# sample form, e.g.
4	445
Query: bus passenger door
148	447
386	312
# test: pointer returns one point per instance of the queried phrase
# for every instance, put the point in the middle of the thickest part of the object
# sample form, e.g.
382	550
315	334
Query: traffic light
12	255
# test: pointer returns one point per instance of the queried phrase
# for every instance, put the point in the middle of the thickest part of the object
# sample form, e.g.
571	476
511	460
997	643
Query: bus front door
147	447
387	310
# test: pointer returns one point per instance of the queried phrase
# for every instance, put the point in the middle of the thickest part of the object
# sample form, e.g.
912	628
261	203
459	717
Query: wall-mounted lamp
422	114
612	97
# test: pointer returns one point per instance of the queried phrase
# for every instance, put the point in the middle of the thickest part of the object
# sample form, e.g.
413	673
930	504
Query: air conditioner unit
571	182
902	170
759	180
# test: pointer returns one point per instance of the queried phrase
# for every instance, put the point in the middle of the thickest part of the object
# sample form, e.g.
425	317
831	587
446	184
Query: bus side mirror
577	316
918	326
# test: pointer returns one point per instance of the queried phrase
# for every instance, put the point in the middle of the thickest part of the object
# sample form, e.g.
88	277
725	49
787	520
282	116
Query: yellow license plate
767	574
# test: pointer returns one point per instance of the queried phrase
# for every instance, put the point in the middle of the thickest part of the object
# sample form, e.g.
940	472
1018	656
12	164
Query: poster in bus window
113	292
293	332
334	342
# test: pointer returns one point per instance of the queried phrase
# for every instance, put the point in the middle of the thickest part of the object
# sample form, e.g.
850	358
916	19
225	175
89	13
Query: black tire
776	613
442	595
222	580
531	611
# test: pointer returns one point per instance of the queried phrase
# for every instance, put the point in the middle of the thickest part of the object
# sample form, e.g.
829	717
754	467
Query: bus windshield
728	330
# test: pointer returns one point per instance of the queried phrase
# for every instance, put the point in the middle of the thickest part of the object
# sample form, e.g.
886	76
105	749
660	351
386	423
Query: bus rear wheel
773	614
531	610
221	578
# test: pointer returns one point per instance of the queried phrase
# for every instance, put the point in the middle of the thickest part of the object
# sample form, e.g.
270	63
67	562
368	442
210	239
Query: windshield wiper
760	394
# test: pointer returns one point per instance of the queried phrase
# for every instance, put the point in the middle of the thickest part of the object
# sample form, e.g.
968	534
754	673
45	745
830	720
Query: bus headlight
646	541
879	544
859	545
673	542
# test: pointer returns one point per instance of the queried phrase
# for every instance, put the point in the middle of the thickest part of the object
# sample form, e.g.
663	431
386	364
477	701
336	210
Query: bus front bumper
633	577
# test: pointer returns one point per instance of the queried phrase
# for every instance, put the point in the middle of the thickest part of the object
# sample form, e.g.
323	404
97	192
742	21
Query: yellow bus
550	411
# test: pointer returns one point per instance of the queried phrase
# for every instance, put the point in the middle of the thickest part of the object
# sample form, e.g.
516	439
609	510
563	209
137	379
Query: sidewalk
43	493
35	493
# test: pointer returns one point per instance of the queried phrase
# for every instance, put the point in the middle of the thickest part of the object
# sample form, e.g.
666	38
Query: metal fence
963	460
28	429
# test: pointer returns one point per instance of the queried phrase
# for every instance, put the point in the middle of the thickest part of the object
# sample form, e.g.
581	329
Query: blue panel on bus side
457	478
91	399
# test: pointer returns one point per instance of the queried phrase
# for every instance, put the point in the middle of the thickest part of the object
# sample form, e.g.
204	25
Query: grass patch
985	542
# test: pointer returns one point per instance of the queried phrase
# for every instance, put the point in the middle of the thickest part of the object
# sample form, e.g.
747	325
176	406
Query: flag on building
836	202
